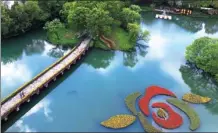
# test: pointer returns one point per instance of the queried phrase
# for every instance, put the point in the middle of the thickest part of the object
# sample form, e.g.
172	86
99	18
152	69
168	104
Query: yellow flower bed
161	113
119	121
193	98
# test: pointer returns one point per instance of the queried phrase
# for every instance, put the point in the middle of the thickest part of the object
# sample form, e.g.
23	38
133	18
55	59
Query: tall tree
53	27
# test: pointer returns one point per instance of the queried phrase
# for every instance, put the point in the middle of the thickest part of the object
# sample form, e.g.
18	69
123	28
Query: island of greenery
111	24
203	54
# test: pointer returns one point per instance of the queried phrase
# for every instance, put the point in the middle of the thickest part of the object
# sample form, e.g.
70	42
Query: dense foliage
63	20
22	16
186	3
204	54
104	18
99	17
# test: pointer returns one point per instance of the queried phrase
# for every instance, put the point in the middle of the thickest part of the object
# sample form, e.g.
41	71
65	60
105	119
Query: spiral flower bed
173	121
151	92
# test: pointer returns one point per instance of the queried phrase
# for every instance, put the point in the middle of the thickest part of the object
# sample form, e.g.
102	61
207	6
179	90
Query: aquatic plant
193	98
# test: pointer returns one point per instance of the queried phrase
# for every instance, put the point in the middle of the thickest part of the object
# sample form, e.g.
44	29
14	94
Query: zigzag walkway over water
24	93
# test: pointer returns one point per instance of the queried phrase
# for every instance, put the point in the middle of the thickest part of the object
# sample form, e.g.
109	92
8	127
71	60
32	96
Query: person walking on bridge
22	94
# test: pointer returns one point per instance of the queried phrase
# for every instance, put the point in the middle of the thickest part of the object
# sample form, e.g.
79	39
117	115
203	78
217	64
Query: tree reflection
201	84
35	47
190	24
195	24
12	49
148	18
99	58
211	26
131	58
56	52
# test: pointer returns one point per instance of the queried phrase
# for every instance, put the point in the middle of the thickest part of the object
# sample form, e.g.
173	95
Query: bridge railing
37	76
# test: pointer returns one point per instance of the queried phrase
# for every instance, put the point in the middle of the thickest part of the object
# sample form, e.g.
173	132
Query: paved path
16	100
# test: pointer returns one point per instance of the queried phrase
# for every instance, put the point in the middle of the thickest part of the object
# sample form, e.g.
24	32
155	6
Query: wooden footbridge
41	81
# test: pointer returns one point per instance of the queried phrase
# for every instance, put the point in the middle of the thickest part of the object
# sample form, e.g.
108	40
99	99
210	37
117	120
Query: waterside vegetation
203	54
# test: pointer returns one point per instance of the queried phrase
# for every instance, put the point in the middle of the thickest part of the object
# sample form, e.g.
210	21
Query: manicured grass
131	100
66	38
145	124
99	44
122	39
190	112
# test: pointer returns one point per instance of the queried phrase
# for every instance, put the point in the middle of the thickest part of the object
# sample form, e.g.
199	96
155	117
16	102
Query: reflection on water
22	125
201	84
97	88
12	72
100	59
22	62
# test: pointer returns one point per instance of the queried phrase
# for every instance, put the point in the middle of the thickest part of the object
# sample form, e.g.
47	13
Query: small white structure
163	16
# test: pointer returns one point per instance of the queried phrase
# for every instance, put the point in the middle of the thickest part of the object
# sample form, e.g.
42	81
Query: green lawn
99	44
67	38
122	39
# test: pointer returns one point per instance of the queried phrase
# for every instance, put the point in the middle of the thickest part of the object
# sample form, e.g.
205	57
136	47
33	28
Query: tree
51	8
68	6
33	10
135	8
98	21
204	54
133	29
129	16
6	20
136	33
114	8
53	27
20	18
78	17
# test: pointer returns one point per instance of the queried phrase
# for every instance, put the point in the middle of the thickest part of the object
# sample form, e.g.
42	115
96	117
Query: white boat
163	16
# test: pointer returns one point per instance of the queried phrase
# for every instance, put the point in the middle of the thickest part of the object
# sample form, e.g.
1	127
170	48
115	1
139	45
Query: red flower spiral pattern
173	121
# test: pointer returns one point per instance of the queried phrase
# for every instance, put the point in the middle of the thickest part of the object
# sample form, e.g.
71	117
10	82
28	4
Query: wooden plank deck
33	88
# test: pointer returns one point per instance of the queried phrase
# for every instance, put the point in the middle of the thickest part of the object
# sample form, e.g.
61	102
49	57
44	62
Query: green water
96	87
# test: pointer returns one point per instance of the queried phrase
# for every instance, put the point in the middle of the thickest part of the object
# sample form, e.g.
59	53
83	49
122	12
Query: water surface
96	89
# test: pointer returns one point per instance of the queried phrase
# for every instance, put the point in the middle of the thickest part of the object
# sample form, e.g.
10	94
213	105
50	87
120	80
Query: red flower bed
149	93
173	121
